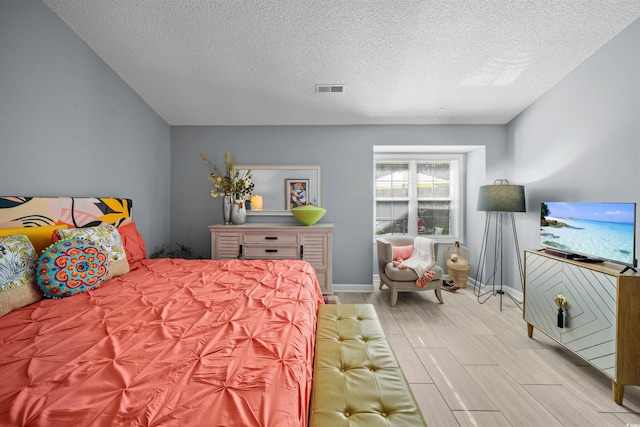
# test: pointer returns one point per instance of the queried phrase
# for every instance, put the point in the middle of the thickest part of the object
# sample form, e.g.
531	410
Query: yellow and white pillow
18	261
108	238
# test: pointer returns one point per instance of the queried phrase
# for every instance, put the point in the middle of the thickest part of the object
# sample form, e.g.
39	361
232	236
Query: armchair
404	280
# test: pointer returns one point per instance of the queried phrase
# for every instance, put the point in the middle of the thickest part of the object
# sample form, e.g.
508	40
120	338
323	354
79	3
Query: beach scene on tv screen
601	230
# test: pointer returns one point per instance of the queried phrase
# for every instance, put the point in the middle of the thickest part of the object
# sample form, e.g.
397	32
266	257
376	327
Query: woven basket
459	268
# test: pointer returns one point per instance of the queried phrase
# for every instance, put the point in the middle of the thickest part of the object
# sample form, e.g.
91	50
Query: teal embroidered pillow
108	238
17	261
71	266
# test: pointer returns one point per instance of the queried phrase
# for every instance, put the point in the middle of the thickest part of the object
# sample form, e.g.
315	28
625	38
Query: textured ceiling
232	62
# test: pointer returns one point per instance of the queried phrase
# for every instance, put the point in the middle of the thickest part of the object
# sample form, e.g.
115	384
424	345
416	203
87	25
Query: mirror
280	187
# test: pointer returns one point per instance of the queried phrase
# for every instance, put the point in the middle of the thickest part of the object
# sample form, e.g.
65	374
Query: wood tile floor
471	365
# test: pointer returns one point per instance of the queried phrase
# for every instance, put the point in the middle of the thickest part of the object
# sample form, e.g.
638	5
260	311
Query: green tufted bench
356	378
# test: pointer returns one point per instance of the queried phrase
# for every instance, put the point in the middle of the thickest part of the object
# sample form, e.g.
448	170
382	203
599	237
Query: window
418	194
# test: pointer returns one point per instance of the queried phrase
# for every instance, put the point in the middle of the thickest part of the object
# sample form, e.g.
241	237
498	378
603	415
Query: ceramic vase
238	212
226	208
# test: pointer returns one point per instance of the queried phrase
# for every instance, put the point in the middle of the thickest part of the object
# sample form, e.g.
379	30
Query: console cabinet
276	241
600	323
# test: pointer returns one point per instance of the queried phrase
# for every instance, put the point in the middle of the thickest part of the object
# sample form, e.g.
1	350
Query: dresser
277	241
601	318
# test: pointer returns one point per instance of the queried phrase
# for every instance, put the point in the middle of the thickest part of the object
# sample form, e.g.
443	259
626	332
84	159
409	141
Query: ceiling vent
329	88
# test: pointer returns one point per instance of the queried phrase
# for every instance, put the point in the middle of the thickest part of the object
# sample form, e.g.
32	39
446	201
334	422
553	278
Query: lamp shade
256	201
501	198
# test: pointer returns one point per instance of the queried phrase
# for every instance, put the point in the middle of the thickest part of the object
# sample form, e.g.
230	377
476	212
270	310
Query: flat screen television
590	231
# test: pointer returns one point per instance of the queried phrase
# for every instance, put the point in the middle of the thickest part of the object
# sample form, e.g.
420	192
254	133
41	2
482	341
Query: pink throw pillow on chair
402	252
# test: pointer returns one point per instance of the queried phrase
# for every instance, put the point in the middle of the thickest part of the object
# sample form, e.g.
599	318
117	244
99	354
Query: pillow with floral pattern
17	261
108	238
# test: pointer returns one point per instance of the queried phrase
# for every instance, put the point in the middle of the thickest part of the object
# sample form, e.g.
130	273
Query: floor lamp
499	201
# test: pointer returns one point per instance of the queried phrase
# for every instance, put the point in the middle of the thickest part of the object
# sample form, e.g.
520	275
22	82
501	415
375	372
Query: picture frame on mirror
296	192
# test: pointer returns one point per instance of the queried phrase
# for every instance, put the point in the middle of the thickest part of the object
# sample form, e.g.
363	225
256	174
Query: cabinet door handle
560	317
562	303
271	238
272	251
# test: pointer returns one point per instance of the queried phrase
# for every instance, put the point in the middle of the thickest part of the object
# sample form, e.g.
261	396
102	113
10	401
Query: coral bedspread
173	342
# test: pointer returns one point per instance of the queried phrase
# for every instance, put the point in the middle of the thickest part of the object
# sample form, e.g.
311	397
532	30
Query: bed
169	342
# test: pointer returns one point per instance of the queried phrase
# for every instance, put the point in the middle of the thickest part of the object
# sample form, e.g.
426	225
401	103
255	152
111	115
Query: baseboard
376	281
354	287
516	294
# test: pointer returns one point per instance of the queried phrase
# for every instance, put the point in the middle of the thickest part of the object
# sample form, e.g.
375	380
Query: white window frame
456	187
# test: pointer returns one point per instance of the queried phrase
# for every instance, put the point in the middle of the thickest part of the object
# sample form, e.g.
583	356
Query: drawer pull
271	238
271	251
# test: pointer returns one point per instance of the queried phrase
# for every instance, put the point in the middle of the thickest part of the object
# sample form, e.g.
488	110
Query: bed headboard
76	212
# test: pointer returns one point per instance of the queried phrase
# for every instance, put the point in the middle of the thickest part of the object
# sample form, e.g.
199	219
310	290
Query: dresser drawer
267	237
270	252
277	241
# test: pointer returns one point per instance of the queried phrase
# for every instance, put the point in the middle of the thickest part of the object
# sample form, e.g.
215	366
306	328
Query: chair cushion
408	275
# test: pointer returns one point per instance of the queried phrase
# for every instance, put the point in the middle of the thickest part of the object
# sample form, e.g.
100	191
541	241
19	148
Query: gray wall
69	126
581	141
346	156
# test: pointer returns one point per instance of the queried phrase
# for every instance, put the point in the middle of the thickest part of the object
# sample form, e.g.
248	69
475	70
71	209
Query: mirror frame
283	212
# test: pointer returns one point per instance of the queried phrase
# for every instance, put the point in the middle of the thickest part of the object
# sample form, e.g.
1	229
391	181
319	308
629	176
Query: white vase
238	212
226	208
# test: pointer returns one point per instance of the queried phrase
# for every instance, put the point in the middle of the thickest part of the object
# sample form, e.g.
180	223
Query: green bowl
308	214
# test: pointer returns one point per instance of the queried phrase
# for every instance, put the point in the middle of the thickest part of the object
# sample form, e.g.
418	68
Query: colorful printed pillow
17	261
133	242
40	237
71	266
108	238
402	252
17	266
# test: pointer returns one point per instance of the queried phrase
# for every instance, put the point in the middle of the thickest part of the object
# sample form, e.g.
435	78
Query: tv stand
601	321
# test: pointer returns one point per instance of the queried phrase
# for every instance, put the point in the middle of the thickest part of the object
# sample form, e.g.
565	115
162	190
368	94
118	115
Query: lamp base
496	276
